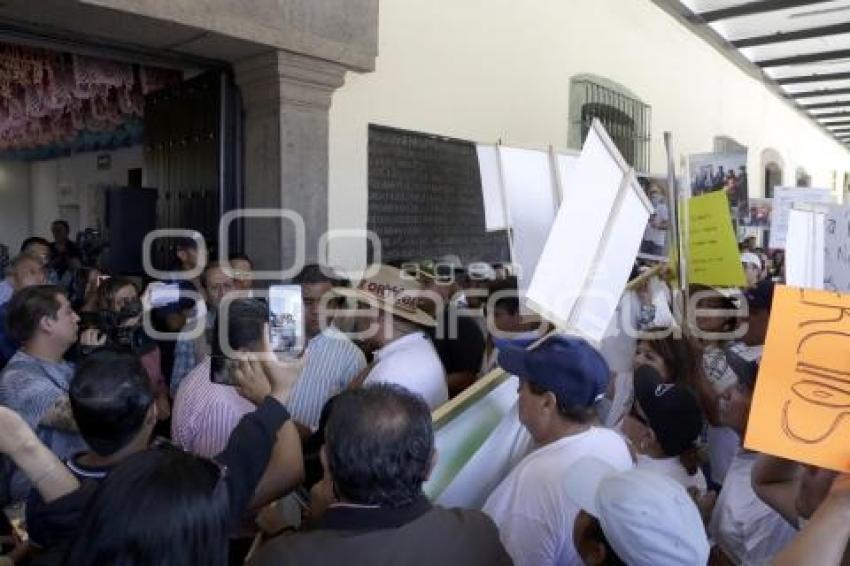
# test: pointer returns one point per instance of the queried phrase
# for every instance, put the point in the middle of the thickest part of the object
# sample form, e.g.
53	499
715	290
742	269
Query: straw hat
393	291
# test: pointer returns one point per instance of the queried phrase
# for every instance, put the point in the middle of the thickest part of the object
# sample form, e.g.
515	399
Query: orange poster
801	407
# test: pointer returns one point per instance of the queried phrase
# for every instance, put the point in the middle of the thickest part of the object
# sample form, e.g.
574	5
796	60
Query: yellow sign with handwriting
713	256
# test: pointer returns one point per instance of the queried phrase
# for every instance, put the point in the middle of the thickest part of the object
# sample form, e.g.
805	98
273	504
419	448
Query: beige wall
485	70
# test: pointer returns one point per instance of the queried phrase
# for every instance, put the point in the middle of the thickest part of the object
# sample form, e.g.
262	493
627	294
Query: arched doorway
772	166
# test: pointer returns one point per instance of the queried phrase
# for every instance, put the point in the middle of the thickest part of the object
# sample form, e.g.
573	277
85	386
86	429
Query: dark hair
109	288
726	303
679	356
509	295
110	396
61	223
574	413
692	459
28	306
245	323
379	442
34	240
160	506
315	273
596	533
211	264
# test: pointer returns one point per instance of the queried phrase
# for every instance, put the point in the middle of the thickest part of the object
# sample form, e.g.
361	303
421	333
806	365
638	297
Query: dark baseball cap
573	370
672	410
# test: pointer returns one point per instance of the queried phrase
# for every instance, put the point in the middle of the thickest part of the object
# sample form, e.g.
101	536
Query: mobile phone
286	319
163	294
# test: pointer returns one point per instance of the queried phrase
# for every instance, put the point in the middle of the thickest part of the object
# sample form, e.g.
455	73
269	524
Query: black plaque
425	198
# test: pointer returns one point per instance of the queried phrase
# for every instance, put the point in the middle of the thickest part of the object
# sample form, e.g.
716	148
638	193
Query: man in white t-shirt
744	528
559	383
403	353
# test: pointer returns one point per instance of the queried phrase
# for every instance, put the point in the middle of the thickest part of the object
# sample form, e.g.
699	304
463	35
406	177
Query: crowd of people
142	430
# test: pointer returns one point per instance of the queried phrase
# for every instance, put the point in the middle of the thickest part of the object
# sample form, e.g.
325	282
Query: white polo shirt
531	508
746	529
412	362
673	469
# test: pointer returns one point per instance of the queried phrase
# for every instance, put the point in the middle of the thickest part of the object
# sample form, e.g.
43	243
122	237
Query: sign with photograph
725	172
655	244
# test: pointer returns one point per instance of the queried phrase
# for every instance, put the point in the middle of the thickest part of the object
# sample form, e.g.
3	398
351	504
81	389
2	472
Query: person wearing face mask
663	428
673	359
655	237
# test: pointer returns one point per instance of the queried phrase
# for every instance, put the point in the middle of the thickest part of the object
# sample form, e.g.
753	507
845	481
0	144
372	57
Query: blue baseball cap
573	370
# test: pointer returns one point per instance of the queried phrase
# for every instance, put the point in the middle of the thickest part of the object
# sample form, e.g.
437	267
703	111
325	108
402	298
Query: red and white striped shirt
205	413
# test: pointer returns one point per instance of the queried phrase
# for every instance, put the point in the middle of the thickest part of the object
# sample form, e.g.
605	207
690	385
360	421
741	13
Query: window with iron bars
626	119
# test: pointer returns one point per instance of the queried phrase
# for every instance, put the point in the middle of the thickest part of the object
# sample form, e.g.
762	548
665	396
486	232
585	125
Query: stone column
286	99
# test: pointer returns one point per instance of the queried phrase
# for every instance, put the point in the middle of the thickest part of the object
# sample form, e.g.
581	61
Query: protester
379	451
402	352
65	257
83	293
120	312
35	382
504	320
744	528
165	506
332	360
671	356
243	271
753	268
664	428
113	405
560	381
635	517
25	271
716	317
457	336
189	349
208	406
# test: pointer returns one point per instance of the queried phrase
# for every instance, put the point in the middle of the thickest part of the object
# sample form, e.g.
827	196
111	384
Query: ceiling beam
782	36
813	78
752	8
839	123
803	59
842	132
831	115
820	92
821	105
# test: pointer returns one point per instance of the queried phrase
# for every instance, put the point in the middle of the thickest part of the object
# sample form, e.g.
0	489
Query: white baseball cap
648	519
751	258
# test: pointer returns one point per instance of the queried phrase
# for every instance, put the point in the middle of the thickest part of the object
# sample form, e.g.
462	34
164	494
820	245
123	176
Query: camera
119	334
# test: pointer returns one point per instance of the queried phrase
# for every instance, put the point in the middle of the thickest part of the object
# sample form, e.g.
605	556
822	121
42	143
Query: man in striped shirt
332	360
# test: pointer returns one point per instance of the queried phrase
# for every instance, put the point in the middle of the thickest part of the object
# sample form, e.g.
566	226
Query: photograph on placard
760	210
725	172
655	244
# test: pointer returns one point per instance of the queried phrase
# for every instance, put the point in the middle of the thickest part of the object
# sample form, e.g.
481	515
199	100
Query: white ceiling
770	22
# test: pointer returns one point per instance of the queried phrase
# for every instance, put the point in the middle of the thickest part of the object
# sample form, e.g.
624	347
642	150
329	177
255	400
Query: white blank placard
566	163
783	199
530	200
582	234
491	188
804	249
